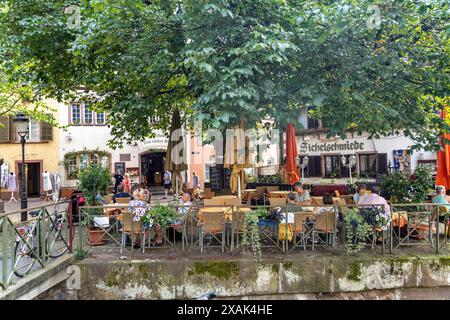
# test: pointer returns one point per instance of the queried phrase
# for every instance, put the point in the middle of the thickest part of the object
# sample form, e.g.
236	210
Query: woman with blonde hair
127	183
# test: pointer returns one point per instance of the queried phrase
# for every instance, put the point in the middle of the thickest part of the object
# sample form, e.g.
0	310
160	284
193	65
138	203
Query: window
368	165
314	168
105	162
207	173
34	131
82	114
88	115
84	160
331	166
312	123
72	167
78	162
76	114
100	118
46	132
94	159
5	129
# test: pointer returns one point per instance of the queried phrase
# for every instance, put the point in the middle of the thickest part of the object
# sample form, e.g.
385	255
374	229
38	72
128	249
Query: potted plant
92	180
164	215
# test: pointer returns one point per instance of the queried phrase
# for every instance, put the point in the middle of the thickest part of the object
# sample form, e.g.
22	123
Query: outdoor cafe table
275	194
227	211
229	197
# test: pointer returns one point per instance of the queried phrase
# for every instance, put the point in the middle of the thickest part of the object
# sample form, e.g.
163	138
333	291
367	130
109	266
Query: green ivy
163	215
250	234
356	231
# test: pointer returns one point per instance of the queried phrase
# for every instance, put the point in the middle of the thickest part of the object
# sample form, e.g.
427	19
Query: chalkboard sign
216	178
226	178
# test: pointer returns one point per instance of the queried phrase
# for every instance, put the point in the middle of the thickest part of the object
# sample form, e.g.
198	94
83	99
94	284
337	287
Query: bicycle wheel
24	258
54	239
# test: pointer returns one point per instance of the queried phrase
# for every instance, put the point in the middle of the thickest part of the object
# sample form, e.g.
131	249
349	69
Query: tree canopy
378	67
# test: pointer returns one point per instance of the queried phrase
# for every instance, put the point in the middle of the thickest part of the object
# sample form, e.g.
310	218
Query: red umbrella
443	160
291	155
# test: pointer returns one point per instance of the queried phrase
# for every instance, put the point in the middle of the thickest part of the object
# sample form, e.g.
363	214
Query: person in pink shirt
375	198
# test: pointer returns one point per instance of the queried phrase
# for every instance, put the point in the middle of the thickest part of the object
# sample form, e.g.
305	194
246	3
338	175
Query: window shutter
314	168
46	132
5	129
382	163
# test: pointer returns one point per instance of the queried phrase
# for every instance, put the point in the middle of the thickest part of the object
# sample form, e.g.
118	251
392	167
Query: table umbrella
175	163
443	159
291	155
237	161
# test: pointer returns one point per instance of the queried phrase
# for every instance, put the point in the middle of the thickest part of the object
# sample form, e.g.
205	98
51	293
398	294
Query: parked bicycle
28	247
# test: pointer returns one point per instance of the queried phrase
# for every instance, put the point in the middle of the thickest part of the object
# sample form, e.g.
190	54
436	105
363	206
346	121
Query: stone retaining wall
292	277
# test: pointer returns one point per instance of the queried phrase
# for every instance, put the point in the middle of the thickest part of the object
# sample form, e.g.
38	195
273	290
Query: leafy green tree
380	68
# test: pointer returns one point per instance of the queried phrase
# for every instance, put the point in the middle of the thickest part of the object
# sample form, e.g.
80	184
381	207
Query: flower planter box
96	237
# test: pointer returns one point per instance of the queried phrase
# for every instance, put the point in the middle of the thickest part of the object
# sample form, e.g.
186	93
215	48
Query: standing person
127	183
195	181
118	180
167	178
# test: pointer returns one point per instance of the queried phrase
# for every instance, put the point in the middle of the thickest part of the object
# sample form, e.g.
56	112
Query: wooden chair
233	202
277	202
272	188
299	229
337	193
127	229
325	223
123	200
212	224
209	194
317	201
258	196
213	202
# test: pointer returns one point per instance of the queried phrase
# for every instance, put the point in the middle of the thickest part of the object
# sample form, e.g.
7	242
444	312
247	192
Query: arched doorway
152	167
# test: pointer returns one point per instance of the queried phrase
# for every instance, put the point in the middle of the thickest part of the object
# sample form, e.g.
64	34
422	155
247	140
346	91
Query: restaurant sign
306	147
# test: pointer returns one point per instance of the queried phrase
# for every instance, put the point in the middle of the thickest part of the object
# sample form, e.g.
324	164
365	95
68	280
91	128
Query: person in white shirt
167	179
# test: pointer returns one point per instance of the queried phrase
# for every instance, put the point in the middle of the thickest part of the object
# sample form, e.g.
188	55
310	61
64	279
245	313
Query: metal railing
408	228
33	244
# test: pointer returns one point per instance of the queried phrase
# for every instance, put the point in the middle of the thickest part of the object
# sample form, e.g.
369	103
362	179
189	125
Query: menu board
216	178
226	178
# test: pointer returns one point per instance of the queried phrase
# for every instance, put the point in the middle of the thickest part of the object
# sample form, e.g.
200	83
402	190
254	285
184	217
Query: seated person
440	198
374	198
360	193
301	195
121	194
100	199
292	205
140	207
327	199
183	210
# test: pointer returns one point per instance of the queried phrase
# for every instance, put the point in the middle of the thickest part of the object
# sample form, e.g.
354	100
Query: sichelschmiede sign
336	146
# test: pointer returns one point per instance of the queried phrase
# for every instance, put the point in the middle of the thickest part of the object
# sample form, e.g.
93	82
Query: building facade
85	141
41	152
373	156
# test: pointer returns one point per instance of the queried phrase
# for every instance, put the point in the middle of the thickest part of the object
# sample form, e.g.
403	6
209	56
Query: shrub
93	179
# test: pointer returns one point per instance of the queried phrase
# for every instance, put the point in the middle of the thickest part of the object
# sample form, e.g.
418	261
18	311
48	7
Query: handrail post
437	230
391	228
4	227
69	210
80	232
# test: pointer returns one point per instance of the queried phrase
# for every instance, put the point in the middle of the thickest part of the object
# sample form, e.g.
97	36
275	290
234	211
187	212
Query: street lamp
21	123
349	165
303	165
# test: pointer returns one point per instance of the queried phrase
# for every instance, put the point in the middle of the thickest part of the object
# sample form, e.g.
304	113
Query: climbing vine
357	230
250	234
